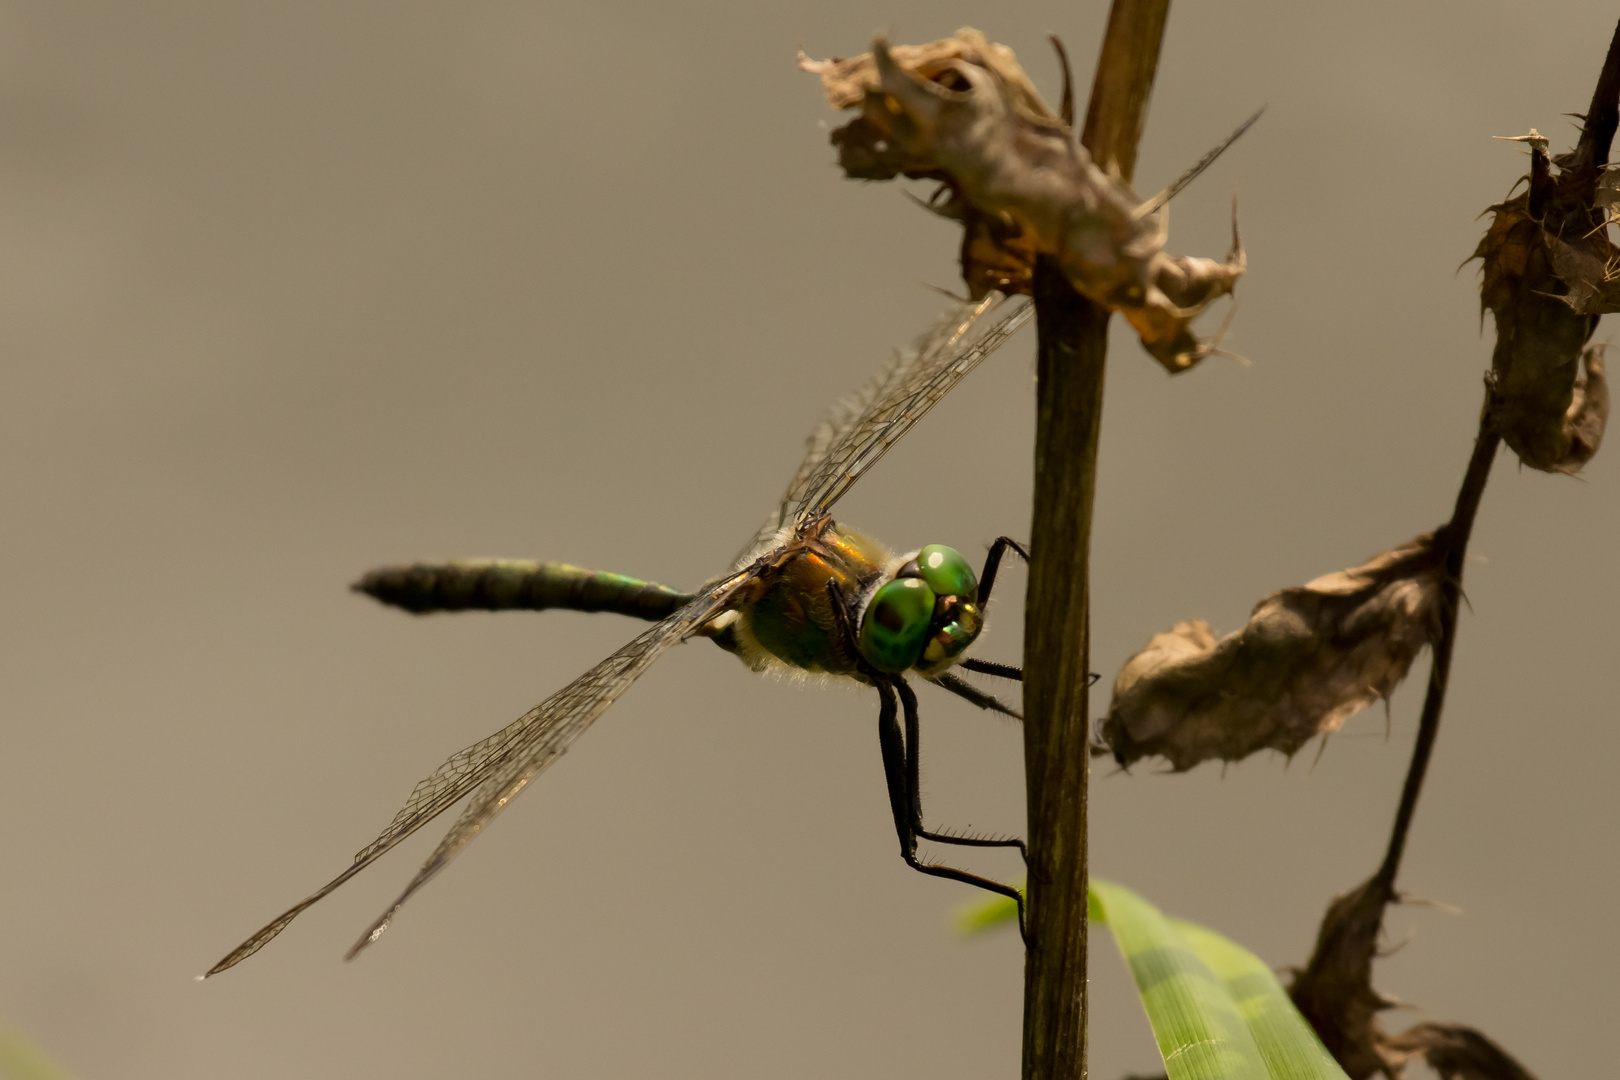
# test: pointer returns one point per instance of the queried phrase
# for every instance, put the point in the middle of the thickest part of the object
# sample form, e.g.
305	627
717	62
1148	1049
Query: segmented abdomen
517	585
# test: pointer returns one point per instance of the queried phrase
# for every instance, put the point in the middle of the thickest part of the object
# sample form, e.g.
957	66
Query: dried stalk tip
1310	657
962	111
1549	273
1335	993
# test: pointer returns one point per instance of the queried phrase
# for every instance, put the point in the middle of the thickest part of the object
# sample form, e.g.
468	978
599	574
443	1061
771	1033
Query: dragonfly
806	593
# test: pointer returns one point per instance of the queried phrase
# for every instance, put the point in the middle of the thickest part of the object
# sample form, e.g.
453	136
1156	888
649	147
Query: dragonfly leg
900	771
968	692
990	667
987	582
1006	671
908	702
992	563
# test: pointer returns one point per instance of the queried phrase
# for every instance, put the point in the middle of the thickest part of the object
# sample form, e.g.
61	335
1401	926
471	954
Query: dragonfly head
923	617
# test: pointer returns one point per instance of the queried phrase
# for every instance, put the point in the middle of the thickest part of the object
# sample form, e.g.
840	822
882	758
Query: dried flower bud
962	111
1309	658
1549	272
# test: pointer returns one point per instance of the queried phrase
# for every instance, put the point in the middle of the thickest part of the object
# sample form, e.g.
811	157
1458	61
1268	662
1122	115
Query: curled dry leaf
1455	1053
1549	272
1334	991
963	112
1310	657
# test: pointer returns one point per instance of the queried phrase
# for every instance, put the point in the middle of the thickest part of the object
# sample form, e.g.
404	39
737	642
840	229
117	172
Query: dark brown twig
1454	536
1602	116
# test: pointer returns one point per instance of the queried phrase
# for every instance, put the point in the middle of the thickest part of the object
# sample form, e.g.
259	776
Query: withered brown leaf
1455	1052
962	111
1310	656
1334	991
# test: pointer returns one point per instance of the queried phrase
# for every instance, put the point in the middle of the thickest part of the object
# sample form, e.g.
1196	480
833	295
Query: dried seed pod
1310	657
1549	272
962	111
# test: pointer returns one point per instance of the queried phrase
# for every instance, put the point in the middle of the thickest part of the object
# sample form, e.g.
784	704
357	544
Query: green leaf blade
1289	1046
1200	1030
1217	1011
20	1059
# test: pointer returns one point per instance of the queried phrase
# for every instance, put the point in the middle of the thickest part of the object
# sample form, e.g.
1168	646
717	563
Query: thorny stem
1455	535
1602	118
1071	358
1334	989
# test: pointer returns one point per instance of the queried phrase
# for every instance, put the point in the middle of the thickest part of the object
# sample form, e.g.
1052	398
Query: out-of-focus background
289	291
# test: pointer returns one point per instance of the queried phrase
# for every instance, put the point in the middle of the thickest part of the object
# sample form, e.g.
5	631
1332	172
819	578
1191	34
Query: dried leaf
1310	657
962	111
1549	272
1334	991
1588	410
1608	188
1456	1053
1587	271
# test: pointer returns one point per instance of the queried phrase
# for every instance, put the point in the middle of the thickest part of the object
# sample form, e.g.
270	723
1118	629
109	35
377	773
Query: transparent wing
501	765
943	357
860	429
885	387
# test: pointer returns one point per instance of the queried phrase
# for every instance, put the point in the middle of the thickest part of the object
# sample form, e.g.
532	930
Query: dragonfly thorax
918	610
791	624
924	616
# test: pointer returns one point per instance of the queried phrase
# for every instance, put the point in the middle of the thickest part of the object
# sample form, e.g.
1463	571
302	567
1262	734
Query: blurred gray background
289	291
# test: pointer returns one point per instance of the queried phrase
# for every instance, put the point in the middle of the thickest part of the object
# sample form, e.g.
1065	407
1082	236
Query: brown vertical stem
1069	374
1072	353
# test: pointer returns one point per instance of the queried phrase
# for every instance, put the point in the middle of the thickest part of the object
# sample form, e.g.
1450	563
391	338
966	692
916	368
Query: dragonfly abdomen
517	585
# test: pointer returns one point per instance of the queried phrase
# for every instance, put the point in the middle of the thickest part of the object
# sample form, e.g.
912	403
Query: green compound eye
895	627
946	572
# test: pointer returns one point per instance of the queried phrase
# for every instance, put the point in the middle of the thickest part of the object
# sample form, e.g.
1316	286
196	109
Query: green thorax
793	621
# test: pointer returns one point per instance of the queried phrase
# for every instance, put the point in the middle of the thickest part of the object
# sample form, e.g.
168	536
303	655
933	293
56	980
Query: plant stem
1072	353
1455	535
1602	118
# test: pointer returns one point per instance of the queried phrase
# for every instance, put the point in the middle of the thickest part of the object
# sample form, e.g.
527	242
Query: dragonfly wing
876	418
500	765
848	412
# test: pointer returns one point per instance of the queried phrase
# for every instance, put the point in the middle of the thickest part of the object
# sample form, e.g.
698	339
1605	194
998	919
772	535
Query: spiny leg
1007	671
987	582
990	667
908	701
901	768
899	771
968	692
992	563
894	751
